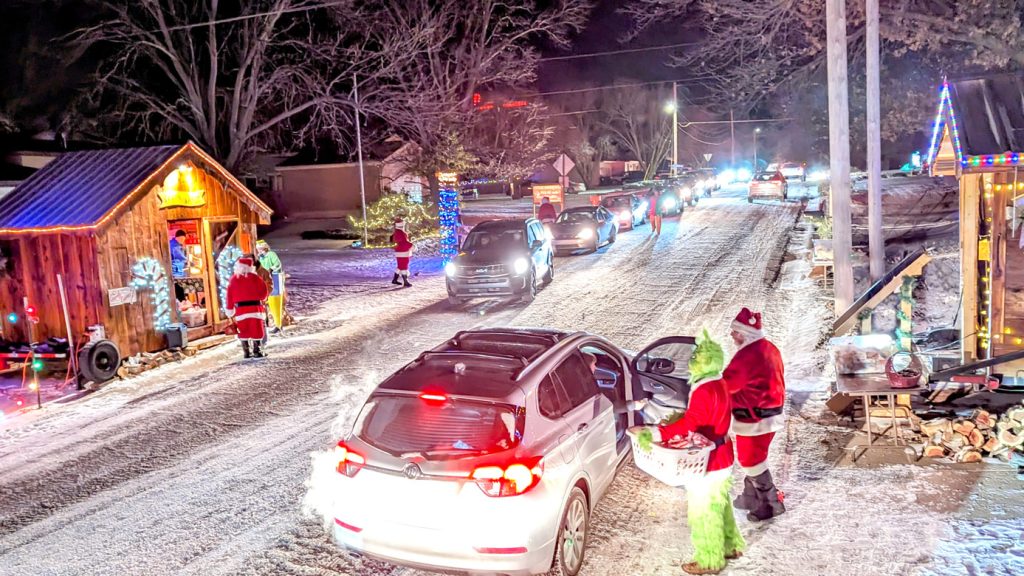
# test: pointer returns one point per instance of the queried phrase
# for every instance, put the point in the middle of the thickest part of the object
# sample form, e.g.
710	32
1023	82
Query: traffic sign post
563	165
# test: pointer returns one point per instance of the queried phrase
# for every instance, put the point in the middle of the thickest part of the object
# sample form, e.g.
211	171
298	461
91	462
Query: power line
621	51
752	120
626	85
292	10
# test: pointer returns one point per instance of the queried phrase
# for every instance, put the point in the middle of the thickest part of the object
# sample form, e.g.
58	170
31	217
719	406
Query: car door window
530	235
538	231
577	381
550	399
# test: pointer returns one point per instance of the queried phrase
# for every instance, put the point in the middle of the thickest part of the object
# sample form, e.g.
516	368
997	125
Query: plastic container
672	466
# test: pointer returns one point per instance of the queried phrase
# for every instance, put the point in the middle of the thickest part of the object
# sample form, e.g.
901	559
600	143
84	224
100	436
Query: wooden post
996	201
876	242
970	188
839	152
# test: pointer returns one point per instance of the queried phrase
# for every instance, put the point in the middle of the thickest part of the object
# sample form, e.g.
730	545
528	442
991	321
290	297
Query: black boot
257	349
395	279
246	350
768	500
405	281
748	499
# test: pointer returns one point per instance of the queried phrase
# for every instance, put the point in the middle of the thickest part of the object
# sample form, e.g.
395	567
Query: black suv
501	258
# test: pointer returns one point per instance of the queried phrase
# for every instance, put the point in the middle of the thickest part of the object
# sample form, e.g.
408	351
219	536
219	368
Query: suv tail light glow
512	480
433	397
349	463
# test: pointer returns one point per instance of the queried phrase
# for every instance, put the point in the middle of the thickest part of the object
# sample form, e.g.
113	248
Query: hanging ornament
149	274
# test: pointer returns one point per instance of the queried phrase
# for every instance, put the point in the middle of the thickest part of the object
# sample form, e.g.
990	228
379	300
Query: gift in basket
675	462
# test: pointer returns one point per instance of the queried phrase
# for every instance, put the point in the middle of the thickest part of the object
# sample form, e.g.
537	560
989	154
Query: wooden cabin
978	136
106	222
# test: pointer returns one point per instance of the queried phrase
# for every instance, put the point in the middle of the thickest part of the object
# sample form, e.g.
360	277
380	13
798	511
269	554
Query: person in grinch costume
716	538
270	262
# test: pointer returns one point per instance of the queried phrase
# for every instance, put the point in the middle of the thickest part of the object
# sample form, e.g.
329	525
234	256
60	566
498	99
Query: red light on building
476	98
515	104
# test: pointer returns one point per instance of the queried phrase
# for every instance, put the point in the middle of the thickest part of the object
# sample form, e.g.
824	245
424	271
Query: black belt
759	413
249	303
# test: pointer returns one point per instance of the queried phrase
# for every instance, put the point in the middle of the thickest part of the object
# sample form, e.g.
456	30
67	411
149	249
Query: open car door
662	370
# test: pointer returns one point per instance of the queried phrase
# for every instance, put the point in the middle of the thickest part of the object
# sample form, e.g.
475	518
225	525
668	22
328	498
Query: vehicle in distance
629	208
583	228
770	185
501	258
489	453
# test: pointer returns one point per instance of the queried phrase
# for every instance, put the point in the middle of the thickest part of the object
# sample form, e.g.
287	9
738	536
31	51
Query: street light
756	132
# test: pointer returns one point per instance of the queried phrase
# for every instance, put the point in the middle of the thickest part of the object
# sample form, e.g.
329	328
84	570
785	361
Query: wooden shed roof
981	121
82	190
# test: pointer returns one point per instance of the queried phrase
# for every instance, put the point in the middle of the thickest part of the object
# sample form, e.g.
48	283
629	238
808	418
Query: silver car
487	454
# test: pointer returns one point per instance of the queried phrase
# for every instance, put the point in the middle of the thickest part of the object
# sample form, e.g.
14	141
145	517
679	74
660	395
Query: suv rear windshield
766	176
409	424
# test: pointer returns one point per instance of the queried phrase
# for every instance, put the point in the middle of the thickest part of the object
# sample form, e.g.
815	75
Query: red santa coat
709	413
756	381
546	212
246	293
403	250
652	207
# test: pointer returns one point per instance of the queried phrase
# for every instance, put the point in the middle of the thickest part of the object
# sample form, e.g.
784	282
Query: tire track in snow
203	477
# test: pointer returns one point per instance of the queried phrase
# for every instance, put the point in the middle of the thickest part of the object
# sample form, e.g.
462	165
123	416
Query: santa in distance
403	253
246	294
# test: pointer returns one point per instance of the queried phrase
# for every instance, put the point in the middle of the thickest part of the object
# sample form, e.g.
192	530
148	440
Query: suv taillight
349	463
512	480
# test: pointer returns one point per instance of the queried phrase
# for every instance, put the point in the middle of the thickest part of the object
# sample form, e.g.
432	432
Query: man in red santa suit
246	294
756	382
403	253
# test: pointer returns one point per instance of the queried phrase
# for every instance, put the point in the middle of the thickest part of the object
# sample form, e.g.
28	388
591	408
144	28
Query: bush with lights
380	220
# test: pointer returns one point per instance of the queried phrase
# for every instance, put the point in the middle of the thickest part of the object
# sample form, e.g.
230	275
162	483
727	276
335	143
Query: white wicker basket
672	466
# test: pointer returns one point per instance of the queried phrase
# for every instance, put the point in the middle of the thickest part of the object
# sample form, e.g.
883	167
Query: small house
132	240
978	136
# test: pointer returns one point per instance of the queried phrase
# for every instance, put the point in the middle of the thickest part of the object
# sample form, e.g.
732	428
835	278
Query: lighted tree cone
149	274
225	268
448	221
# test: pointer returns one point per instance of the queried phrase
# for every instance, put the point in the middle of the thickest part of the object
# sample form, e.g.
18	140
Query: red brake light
349	462
347	526
433	397
511	480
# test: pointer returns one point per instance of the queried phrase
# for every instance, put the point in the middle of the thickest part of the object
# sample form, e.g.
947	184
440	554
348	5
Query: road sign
564	165
707	157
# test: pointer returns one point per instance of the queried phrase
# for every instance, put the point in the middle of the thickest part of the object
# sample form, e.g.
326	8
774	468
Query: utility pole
359	153
675	129
839	152
876	242
756	132
732	140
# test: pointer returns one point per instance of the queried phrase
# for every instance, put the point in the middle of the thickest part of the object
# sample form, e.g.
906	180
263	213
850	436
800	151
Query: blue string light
149	274
448	216
225	269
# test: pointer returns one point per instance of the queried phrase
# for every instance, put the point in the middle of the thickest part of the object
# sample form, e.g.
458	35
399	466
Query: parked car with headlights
583	228
501	258
689	187
770	185
669	201
709	181
630	209
489	453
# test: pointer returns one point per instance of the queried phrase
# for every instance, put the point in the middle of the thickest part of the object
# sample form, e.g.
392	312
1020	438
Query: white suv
486	454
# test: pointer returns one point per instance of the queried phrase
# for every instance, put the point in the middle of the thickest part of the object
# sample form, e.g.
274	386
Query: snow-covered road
200	468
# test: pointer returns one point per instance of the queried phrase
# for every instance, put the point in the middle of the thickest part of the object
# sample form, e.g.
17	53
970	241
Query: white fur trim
756	469
250	316
719	475
405	254
747	330
400	225
769	424
230	313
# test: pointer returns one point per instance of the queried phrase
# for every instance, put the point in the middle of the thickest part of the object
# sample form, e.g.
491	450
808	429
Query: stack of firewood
982	434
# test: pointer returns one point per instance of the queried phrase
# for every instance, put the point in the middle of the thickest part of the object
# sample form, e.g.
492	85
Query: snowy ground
200	468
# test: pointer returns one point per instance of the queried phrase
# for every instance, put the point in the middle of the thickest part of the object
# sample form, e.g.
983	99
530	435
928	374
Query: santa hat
399	224
244	266
748	323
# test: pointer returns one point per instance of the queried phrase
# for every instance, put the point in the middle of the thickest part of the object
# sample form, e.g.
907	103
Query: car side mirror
661	366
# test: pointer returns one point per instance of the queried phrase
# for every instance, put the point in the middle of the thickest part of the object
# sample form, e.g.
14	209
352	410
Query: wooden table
866	387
